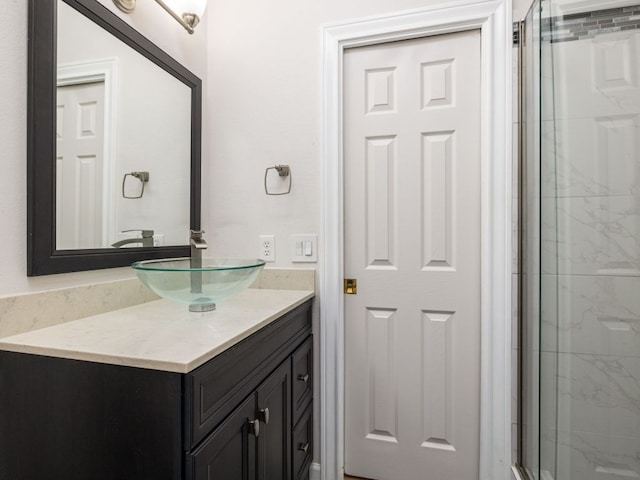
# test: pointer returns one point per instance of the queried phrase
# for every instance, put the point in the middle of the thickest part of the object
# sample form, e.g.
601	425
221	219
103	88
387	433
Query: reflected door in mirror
79	166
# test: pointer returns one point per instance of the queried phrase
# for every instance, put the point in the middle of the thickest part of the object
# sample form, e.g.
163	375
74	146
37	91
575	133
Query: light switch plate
158	239
304	248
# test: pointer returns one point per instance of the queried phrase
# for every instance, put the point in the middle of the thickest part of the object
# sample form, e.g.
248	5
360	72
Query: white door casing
493	18
412	240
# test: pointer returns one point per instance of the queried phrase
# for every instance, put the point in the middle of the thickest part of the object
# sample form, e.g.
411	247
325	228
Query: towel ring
142	176
283	171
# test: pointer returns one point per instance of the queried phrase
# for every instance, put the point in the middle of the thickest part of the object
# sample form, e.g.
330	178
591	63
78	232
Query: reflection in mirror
118	116
113	143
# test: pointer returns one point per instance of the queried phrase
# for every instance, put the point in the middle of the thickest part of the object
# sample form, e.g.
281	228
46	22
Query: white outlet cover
267	248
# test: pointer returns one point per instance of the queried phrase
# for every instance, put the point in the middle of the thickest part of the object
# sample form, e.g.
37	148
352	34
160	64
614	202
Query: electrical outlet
268	248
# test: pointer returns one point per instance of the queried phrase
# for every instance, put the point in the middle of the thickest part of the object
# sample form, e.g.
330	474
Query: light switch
158	239
304	248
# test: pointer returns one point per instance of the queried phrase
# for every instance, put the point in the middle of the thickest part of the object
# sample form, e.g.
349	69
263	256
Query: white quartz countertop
160	335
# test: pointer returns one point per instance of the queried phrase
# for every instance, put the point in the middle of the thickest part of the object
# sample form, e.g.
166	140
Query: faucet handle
145	233
197	242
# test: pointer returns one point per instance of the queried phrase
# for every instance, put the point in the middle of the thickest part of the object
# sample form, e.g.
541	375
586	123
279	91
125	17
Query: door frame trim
493	18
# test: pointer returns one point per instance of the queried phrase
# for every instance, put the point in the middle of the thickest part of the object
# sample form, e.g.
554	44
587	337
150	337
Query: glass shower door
581	268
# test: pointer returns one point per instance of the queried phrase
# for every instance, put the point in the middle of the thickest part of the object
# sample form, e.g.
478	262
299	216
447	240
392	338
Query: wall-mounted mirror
113	142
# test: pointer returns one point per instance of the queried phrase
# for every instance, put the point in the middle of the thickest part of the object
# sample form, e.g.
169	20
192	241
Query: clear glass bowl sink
200	287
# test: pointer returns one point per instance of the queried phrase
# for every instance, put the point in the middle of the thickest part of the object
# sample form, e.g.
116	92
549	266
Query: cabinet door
229	452
274	410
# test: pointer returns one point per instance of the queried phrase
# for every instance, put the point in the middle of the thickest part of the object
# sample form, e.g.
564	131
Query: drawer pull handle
303	447
264	416
254	426
303	378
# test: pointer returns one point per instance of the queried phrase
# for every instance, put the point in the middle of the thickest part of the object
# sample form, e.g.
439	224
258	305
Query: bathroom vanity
153	392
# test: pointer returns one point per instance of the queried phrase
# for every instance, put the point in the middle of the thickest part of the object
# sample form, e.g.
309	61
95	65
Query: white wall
149	19
263	62
264	103
520	9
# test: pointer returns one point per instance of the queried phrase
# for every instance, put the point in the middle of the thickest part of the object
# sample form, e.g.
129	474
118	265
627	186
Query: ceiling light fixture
186	12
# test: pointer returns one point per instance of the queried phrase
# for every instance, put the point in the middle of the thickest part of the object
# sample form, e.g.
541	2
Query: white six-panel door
412	241
79	165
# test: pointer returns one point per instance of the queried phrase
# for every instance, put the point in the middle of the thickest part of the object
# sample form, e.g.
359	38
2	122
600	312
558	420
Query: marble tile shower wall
591	244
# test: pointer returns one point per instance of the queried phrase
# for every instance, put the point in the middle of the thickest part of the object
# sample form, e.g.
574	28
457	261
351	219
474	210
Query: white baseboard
314	471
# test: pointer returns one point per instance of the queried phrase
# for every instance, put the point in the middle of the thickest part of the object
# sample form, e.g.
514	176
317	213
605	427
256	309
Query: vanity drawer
302	444
217	387
302	378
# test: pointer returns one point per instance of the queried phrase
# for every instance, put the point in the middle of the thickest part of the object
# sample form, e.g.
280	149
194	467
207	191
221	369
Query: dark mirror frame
42	256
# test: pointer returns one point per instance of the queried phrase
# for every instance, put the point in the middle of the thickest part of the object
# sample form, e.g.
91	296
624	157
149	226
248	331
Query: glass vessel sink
200	287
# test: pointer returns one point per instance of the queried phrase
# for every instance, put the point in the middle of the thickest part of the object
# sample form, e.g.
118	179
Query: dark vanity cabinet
245	414
256	437
254	441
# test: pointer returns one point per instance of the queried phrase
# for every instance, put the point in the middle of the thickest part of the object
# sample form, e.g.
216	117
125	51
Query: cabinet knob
254	427
264	416
303	378
303	447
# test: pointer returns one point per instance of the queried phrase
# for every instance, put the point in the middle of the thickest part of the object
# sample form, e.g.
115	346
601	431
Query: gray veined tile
548	454
591	235
548	393
549	318
593	156
595	315
594	75
587	456
599	394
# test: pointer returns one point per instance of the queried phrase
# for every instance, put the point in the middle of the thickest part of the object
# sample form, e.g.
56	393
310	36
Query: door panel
79	166
412	239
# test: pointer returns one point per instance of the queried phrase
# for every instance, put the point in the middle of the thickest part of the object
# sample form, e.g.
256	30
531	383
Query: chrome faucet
146	240
198	244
